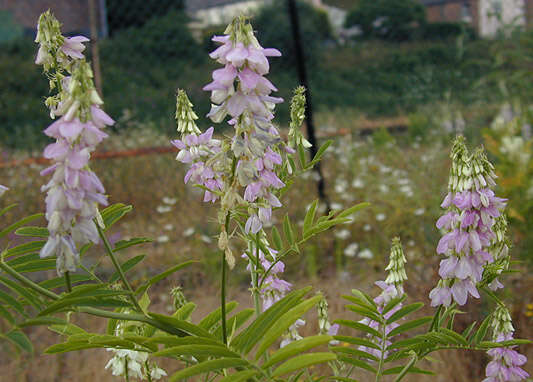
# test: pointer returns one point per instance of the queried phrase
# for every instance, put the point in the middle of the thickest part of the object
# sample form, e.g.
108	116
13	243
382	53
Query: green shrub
22	112
446	31
136	13
395	20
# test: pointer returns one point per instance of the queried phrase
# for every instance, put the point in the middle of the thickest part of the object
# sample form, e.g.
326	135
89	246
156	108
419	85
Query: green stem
68	282
28	282
223	286
382	348
255	278
404	371
148	371
223	297
111	254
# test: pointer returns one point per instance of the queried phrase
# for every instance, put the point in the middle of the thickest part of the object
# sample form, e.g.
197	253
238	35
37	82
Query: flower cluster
74	191
3	189
472	208
132	363
241	91
506	362
324	325
392	288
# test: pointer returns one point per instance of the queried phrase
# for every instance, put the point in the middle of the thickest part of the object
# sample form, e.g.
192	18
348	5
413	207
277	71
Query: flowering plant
245	175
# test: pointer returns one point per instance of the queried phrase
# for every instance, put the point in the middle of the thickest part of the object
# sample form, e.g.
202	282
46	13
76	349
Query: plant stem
223	286
68	282
255	278
111	254
382	347
223	297
28	282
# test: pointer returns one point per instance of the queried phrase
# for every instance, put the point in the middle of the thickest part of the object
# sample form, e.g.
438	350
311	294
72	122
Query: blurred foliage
446	31
9	29
142	68
23	115
123	14
274	30
396	20
509	141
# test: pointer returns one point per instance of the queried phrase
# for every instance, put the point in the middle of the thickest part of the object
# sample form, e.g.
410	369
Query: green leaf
36	266
184	313
352	210
303	361
456	336
301	155
358	326
12	302
393	303
412	369
323	226
5	313
410	325
309	217
181	325
236	321
20	340
466	333
30	247
60	281
43	321
354	352
356	362
361	302
215	316
207	367
287	230
6	209
68	329
197	351
128	265
33	232
246	340
123	244
276	238
284	322
295	348
363	296
163	275
113	213
482	330
240	376
168	340
404	311
69	303
68	347
29	297
19	223
357	341
364	312
490	344
409	342
321	151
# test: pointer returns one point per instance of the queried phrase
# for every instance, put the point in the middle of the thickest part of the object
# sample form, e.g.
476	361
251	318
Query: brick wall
452	11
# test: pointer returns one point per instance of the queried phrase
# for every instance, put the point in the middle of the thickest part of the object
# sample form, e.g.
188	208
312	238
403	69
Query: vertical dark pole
302	74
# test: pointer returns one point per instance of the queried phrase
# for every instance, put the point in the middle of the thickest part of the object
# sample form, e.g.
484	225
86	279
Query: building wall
74	15
493	14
